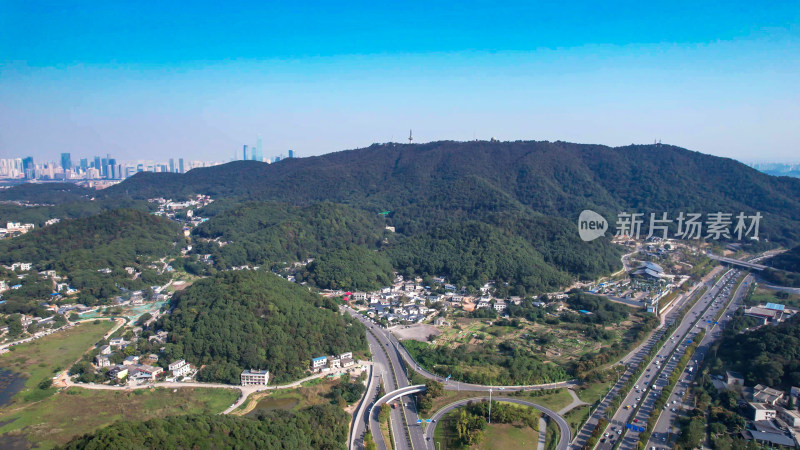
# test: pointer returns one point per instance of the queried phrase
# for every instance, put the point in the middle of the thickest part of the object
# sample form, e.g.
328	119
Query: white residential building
255	377
319	363
180	368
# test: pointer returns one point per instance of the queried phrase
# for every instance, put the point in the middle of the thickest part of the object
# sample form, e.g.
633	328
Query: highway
632	361
563	426
388	356
662	430
388	368
640	396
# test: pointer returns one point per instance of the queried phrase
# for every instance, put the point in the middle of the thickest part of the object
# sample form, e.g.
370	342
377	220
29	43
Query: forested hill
246	319
313	428
77	249
471	179
266	233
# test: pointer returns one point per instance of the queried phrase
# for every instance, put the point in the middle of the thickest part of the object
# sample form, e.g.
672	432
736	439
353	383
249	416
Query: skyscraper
172	165
97	162
244	153
291	153
28	167
84	164
111	172
66	161
180	165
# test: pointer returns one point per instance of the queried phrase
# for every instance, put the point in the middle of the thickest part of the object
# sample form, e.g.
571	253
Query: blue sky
198	80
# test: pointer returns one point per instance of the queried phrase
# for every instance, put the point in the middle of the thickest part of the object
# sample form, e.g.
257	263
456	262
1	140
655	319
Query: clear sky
198	80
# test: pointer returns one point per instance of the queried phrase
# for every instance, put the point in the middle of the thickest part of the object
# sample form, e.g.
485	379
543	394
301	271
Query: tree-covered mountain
472	253
313	428
268	233
246	319
353	268
476	179
47	193
79	248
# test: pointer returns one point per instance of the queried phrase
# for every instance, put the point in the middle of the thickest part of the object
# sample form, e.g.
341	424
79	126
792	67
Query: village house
319	363
146	372
764	394
761	411
117	342
254	377
117	372
179	368
102	361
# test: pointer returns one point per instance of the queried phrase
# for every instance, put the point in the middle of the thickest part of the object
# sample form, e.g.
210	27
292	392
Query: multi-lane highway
661	436
637	406
632	361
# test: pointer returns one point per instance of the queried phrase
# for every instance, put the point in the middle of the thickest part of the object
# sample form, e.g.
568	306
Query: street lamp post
490	405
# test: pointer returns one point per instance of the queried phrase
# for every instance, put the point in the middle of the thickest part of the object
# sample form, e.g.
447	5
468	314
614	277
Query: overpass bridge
737	262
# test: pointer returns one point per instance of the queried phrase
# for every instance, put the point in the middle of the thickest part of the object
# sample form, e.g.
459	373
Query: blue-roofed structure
775	306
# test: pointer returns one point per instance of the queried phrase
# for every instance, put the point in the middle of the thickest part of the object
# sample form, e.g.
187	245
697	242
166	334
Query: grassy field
557	344
75	411
554	400
41	359
496	436
290	399
763	296
509	437
593	392
577	416
50	417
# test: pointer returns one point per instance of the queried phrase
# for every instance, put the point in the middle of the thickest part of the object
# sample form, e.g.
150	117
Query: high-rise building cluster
98	168
256	153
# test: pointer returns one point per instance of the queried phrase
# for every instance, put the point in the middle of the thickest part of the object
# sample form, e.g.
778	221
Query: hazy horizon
160	81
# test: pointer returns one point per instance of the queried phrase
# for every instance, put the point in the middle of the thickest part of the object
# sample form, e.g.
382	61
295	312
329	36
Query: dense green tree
318	427
255	320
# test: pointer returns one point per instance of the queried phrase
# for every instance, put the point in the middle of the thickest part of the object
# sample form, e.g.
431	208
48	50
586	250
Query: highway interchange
389	356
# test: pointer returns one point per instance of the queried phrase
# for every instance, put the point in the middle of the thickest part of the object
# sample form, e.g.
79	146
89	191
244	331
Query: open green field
592	392
313	392
42	358
497	436
75	411
762	296
577	417
559	344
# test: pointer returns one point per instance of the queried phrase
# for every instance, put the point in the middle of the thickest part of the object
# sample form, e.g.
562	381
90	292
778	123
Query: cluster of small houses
20	267
139	368
773	422
168	207
404	301
13	229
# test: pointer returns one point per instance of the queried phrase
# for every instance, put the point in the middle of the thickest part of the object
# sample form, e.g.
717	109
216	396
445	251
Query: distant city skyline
158	81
